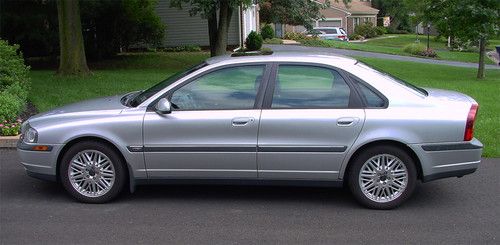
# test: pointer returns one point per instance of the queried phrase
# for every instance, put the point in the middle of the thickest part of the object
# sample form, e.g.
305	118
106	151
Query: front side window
228	88
299	86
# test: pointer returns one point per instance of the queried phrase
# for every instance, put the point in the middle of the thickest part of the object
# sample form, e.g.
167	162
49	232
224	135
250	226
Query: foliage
291	12
465	20
273	41
399	12
10	128
112	26
296	36
419	49
14	81
355	36
32	24
366	30
267	32
185	48
380	30
254	41
107	25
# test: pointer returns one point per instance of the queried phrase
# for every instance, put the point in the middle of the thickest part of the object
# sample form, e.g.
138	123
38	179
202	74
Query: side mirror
163	106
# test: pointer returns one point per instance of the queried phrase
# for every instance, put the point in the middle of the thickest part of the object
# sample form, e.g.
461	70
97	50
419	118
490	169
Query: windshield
144	95
395	79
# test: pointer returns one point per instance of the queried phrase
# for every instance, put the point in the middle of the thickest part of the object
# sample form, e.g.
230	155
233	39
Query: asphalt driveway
455	211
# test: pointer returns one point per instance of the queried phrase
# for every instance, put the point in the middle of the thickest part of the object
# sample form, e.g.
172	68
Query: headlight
31	135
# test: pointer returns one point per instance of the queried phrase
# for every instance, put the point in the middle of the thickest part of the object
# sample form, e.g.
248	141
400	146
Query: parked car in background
328	33
291	118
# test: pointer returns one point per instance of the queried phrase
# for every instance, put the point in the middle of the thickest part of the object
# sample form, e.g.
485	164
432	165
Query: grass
139	71
394	45
125	73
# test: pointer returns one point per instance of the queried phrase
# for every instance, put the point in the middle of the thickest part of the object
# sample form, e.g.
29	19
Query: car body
328	33
270	119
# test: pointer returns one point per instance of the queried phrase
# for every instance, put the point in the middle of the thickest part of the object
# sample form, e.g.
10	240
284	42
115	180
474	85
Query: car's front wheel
92	172
382	177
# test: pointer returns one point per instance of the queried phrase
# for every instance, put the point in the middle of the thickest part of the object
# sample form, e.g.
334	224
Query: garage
330	23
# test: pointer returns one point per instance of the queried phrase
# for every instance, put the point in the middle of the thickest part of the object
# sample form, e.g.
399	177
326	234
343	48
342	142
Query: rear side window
329	31
300	86
371	98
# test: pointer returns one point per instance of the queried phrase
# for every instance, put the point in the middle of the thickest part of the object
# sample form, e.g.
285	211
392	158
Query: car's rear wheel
92	172
382	177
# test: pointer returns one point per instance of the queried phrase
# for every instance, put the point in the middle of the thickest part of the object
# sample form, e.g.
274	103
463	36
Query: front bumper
443	160
39	164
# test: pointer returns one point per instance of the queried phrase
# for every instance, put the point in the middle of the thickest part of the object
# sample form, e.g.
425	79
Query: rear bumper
39	164
444	160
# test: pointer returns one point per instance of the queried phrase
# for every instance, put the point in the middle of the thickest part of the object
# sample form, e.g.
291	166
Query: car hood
93	105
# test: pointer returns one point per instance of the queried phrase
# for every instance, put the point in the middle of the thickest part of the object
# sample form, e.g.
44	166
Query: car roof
281	56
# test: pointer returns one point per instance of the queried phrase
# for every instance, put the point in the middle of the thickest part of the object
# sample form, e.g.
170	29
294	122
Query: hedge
14	82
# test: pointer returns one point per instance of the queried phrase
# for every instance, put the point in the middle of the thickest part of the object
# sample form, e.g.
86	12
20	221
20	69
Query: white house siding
183	29
250	16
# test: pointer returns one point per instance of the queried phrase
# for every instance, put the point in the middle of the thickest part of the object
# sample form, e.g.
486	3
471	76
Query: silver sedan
273	119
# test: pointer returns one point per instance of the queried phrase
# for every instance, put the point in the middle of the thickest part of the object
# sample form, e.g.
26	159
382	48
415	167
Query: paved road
452	211
346	52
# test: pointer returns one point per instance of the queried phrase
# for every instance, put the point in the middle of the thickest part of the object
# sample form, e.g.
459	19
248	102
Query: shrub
186	48
14	82
419	49
10	128
294	36
253	41
429	53
414	48
267	32
273	41
355	37
380	30
367	30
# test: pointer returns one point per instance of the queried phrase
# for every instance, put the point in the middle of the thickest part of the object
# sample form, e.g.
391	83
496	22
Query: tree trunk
212	31
225	14
72	51
482	54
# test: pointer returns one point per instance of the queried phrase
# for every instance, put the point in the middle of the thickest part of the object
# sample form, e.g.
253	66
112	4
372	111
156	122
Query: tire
382	177
92	172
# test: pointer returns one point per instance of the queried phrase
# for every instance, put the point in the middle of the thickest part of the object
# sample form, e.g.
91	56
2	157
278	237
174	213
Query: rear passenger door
311	116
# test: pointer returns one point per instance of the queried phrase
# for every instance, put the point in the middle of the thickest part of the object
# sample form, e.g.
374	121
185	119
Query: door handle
241	121
347	121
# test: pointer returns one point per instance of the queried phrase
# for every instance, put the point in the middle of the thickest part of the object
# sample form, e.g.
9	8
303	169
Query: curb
8	141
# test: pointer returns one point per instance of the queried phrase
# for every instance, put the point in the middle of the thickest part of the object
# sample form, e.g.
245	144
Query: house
183	29
345	16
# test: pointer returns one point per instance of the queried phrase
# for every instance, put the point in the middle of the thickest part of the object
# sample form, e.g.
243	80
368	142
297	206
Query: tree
292	12
111	26
398	10
72	51
467	20
218	14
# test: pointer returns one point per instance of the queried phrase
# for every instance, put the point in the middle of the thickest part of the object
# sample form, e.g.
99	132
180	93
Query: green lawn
139	71
394	45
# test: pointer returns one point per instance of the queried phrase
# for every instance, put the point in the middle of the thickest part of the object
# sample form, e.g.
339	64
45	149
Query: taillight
341	37
469	126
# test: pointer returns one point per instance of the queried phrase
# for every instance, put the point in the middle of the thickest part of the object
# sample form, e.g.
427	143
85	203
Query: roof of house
355	7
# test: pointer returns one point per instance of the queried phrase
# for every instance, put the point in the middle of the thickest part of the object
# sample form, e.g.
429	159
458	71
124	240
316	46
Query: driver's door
212	129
